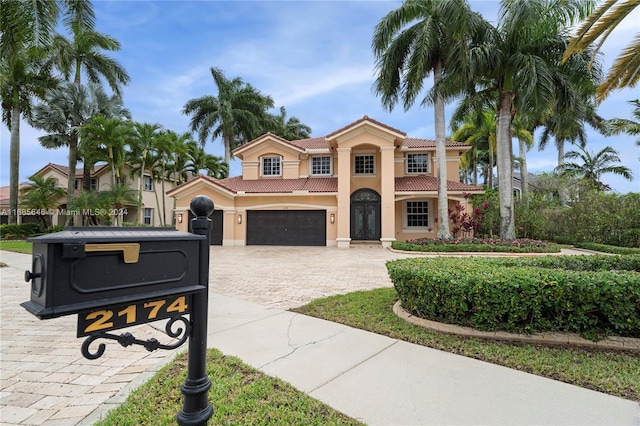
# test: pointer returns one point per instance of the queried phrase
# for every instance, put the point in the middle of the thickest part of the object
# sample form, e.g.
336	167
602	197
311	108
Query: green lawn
613	372
17	246
240	395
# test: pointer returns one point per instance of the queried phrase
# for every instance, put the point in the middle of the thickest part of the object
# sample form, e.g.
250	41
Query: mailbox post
196	409
114	278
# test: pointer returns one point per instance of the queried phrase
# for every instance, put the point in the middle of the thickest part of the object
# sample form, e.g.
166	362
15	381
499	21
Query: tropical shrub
604	248
476	245
19	231
593	296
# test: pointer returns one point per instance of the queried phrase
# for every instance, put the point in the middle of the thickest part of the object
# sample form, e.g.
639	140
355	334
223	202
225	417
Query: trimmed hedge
495	245
19	231
604	248
593	296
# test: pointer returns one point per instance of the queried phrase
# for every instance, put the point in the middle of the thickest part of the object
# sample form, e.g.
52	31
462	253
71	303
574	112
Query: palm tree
144	140
64	110
479	131
593	166
107	139
290	128
42	194
409	44
516	61
615	126
118	199
237	113
25	32
83	51
89	204
200	161
625	71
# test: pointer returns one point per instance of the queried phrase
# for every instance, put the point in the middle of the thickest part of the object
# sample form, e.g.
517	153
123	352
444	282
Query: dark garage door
216	226
287	227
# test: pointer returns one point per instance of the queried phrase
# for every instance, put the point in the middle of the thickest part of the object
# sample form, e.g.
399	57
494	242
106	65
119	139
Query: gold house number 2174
128	315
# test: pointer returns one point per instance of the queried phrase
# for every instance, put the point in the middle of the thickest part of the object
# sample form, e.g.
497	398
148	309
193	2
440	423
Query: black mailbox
81	268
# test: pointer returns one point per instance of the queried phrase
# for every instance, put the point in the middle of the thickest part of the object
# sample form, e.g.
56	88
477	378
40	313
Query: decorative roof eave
450	146
312	151
267	136
286	194
211	182
397	134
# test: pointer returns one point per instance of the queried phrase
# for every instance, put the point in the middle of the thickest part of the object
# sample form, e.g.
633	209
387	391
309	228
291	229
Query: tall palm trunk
227	148
140	215
505	174
560	146
524	174
73	160
441	154
14	159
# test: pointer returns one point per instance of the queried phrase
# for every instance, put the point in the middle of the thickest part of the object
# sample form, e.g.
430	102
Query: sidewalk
378	380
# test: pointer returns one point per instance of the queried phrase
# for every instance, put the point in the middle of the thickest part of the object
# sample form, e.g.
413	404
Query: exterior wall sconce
332	218
179	217
239	219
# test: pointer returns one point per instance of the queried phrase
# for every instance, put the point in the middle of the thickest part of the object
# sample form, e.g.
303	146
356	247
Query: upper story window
121	181
77	185
417	163
271	166
321	166
364	164
94	184
148	183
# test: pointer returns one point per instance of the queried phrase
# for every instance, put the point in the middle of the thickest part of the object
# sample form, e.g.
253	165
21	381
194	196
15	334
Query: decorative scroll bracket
127	339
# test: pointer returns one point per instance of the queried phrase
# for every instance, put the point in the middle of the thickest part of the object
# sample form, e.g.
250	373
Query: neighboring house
364	182
101	180
4	207
517	183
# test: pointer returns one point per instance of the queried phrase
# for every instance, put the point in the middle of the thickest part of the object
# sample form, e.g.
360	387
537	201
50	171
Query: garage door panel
287	227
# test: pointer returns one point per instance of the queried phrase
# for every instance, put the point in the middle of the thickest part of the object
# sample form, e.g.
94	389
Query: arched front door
365	215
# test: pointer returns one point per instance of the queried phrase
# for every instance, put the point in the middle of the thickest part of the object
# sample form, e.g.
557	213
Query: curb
565	339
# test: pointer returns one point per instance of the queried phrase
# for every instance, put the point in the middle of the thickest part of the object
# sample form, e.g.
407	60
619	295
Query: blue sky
313	57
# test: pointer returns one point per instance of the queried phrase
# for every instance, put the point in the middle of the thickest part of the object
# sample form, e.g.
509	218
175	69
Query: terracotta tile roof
65	170
430	183
236	184
4	191
427	143
312	143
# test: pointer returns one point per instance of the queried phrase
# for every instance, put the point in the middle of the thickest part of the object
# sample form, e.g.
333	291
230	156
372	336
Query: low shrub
579	294
523	245
604	248
19	231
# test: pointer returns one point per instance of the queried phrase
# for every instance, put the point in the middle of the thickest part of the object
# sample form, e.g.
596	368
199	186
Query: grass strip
612	372
240	394
17	246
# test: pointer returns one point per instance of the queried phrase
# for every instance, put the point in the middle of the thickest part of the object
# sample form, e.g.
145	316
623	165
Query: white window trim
144	216
144	178
360	154
262	165
417	229
406	163
321	174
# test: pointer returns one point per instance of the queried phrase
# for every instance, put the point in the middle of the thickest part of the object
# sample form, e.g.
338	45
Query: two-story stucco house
364	182
153	200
